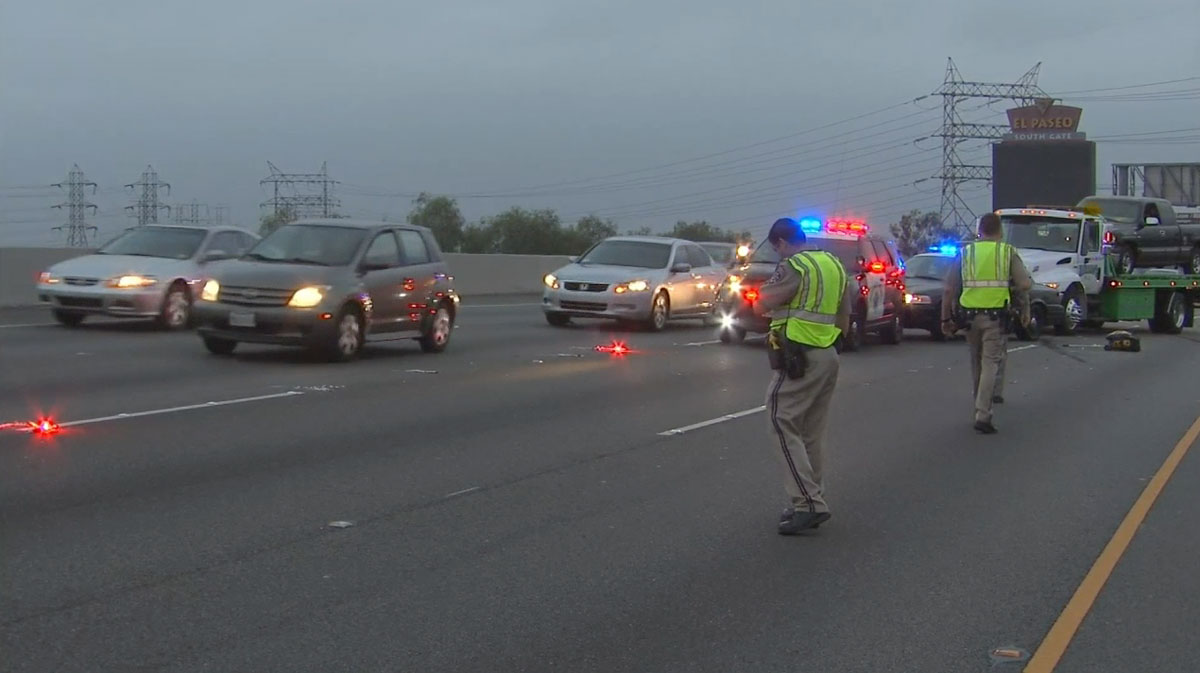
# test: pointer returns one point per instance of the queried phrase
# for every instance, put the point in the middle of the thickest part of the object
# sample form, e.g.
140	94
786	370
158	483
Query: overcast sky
502	103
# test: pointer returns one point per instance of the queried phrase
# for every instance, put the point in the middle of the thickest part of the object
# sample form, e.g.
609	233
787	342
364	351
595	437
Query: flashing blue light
810	225
945	249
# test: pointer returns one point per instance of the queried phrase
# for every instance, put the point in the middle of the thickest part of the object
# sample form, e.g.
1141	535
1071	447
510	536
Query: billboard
1044	121
1059	173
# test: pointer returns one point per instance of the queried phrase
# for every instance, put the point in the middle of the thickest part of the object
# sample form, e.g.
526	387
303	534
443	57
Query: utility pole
77	206
954	210
147	206
320	204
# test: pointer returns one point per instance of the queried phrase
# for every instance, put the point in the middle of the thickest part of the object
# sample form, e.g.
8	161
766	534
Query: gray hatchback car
331	285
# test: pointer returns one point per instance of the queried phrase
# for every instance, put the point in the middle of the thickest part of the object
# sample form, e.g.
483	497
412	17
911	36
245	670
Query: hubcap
441	327
1196	263
177	309
660	311
1074	312
1176	311
348	332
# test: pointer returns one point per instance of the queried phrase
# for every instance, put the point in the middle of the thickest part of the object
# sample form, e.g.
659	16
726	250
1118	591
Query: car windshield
309	244
933	267
1114	210
149	241
641	254
720	253
1040	233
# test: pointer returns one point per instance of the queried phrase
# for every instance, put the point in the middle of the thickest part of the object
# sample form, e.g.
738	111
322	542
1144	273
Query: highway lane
520	510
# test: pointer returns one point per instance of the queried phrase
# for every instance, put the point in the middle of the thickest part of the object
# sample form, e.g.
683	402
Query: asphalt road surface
516	506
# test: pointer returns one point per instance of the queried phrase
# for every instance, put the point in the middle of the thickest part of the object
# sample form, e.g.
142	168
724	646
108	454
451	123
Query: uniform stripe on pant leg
787	455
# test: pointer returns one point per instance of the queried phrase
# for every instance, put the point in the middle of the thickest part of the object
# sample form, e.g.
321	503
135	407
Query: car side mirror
682	267
1151	221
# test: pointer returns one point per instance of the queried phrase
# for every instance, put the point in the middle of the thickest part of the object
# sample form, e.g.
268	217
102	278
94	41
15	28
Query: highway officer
979	290
808	299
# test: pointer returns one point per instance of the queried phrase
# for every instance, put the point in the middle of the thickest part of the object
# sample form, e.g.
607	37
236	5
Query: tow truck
872	262
1073	251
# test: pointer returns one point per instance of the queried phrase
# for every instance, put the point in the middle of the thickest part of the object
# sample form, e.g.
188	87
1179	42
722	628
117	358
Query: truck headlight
307	297
210	291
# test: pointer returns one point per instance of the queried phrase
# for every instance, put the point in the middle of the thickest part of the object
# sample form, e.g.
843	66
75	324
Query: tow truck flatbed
1164	297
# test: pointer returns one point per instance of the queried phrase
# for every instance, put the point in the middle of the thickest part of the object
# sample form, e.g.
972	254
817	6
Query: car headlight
307	297
550	281
47	278
735	284
210	291
632	286
132	281
917	299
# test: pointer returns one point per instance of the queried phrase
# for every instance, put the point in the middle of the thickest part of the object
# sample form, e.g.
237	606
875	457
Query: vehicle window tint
248	242
698	257
383	251
415	251
845	250
226	243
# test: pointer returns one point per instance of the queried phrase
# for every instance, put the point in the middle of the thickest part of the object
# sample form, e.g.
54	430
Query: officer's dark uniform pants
986	339
797	414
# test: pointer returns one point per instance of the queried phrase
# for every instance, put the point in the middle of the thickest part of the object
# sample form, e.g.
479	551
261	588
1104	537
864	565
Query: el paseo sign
1044	116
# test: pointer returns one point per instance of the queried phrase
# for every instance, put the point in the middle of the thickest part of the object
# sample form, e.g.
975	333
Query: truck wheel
1194	261
1126	261
1074	312
1170	314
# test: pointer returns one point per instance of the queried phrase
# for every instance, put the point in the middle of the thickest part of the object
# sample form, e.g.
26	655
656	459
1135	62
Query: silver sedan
645	279
147	272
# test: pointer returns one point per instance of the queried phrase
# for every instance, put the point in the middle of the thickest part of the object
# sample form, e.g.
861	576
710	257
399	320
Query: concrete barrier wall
474	275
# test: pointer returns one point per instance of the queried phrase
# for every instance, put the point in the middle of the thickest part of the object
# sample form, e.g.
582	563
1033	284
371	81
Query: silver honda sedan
149	271
644	279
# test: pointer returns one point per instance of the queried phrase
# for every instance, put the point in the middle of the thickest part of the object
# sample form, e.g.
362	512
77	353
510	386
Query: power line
320	204
77	206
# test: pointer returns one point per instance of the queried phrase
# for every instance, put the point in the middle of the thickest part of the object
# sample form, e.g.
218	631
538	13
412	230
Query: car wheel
1126	261
1194	261
68	318
894	333
219	346
659	312
558	319
733	335
176	313
1037	319
437	334
348	338
852	340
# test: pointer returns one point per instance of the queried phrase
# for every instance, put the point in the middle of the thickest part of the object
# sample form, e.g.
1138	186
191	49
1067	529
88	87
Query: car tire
1193	265
558	319
348	337
1037	321
68	318
660	312
436	335
732	335
852	340
893	334
1126	261
219	346
176	311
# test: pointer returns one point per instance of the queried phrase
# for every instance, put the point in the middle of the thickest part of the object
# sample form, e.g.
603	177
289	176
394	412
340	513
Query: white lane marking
462	492
188	407
713	421
29	324
701	343
1022	348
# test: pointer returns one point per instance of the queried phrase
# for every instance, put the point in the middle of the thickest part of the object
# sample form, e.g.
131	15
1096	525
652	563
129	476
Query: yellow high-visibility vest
986	267
811	315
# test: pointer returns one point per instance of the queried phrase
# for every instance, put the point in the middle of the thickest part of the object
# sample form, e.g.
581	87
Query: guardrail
474	275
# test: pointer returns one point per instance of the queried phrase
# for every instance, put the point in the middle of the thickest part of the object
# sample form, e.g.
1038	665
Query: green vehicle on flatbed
1070	250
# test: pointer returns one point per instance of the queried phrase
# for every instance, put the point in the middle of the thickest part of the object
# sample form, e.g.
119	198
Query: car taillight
750	294
876	267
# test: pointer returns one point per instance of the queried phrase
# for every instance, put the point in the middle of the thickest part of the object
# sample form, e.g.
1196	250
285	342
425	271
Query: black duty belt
995	313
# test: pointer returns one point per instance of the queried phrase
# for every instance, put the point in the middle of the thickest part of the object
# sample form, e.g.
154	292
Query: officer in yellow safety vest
985	281
808	300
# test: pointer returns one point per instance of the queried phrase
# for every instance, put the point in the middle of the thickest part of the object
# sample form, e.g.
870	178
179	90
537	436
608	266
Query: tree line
521	231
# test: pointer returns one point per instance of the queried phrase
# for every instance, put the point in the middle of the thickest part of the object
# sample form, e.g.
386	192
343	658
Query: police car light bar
944	248
810	225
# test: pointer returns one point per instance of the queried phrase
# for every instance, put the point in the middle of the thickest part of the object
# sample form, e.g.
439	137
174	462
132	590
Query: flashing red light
616	348
1109	237
44	426
751	295
876	267
410	284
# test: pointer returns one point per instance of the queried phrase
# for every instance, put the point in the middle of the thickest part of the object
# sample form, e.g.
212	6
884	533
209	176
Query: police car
925	278
872	262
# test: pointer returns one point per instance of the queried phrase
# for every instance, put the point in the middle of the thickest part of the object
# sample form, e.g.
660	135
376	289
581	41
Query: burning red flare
44	426
616	348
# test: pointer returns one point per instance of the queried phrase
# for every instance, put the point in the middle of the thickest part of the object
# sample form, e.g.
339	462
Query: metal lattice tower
77	206
147	206
218	217
321	204
954	90
192	213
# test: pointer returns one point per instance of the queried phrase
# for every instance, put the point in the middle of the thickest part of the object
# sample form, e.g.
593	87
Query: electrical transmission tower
319	204
77	206
190	213
147	206
955	131
218	218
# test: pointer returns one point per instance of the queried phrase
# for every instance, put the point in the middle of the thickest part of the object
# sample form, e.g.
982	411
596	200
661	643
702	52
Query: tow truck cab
871	261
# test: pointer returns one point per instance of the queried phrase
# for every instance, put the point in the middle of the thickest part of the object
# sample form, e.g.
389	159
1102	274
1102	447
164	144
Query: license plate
241	320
